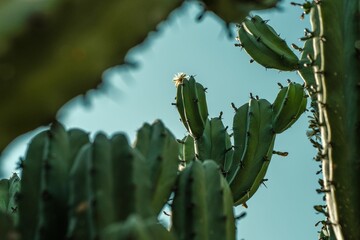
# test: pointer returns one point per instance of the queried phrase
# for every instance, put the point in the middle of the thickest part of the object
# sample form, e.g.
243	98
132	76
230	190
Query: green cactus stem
337	78
200	187
160	150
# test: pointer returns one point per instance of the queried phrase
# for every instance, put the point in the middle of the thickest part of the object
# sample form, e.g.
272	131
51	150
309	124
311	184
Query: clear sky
283	210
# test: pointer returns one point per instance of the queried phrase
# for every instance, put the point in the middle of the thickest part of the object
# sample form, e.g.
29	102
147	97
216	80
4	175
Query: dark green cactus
265	46
102	189
330	68
243	163
187	150
42	41
79	212
253	144
200	188
160	150
9	191
336	33
126	187
191	104
288	106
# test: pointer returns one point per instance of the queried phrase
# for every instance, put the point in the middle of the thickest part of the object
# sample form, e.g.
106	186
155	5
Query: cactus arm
132	176
100	185
79	215
188	149
221	221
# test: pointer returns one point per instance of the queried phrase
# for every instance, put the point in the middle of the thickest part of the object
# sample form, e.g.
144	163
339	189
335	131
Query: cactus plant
255	125
200	187
329	66
54	36
60	162
106	188
337	85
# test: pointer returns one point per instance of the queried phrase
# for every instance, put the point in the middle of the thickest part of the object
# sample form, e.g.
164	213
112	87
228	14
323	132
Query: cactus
255	125
75	188
187	150
9	190
191	104
160	150
337	84
252	146
264	45
288	106
42	41
105	188
329	66
200	187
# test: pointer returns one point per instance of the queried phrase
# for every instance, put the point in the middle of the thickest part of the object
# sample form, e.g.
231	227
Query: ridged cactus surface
337	79
200	188
106	188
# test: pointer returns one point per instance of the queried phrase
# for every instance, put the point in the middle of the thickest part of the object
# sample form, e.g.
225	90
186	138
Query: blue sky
283	210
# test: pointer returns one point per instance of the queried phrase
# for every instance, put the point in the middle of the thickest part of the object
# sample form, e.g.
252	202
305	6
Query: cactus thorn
167	214
283	154
241	215
234	107
220	115
263	181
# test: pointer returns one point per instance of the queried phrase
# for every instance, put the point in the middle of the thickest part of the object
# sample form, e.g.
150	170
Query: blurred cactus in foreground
52	51
75	188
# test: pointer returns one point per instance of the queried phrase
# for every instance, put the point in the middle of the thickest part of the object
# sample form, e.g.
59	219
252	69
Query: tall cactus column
338	85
